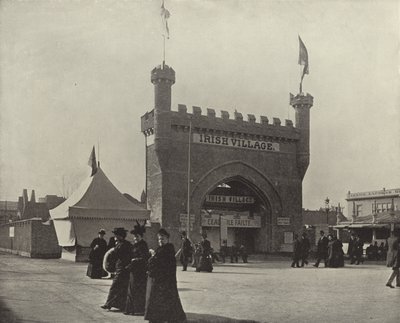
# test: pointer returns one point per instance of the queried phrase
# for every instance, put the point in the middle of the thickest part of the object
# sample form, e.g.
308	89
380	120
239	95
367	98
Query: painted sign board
230	199
283	221
235	142
232	221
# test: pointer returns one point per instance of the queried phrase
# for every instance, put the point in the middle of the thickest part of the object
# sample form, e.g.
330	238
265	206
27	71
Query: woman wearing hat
136	299
98	248
162	299
119	287
205	262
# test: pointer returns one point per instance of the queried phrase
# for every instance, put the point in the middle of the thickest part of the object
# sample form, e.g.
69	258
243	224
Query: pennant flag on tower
303	58
92	162
164	16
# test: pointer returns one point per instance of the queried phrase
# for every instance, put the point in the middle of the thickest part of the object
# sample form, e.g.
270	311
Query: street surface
39	290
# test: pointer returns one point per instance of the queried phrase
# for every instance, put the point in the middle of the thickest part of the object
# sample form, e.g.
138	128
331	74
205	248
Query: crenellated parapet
237	126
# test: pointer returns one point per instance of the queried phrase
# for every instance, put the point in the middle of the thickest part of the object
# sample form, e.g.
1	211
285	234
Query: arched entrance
235	212
245	201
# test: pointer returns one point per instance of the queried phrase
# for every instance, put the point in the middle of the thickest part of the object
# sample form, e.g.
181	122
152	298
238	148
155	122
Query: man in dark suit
358	250
322	249
393	259
186	251
296	251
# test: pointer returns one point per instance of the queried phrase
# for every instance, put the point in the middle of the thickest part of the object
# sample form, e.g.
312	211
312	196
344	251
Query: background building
372	214
8	211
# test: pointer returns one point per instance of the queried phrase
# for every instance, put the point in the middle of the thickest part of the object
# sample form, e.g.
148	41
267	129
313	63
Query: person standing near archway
186	251
305	249
205	263
296	251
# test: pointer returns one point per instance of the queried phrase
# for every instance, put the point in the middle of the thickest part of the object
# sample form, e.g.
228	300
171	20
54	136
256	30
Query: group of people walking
329	249
200	254
144	281
301	250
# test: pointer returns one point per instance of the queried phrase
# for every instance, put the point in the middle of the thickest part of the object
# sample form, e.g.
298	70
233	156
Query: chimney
33	197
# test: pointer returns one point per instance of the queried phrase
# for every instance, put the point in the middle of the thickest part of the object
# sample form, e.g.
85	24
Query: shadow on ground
6	315
207	318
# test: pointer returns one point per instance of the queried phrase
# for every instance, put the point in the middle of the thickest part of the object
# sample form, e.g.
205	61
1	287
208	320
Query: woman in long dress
136	298
205	262
98	248
162	299
119	287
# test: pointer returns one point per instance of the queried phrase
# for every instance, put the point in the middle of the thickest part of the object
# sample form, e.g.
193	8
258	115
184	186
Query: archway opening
234	213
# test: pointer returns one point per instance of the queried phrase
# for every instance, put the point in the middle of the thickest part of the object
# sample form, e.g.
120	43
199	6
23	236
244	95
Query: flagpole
301	79
98	152
188	183
163	51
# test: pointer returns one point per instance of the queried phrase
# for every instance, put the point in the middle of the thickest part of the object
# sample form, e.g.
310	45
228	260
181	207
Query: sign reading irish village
235	142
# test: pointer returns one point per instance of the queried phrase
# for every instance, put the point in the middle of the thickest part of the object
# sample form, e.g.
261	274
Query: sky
74	74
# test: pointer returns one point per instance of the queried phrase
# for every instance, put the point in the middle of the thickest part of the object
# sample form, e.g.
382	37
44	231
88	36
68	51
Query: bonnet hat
139	229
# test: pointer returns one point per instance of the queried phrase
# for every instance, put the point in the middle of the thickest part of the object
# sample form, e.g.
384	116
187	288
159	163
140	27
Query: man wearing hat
98	248
119	287
186	251
322	249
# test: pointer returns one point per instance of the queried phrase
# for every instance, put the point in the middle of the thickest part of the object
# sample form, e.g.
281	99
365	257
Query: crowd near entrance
233	214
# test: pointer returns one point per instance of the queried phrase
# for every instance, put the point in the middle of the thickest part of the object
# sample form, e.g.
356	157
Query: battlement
163	72
224	123
301	99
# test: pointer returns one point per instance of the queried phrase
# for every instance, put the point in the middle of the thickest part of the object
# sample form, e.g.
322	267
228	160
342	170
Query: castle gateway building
245	176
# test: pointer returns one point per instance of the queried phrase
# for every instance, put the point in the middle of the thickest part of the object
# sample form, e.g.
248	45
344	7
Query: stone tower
302	105
233	159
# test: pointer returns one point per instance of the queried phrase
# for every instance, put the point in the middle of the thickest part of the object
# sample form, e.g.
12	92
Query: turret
163	77
302	104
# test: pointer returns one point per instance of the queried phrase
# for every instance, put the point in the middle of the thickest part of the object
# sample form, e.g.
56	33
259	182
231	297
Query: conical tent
96	204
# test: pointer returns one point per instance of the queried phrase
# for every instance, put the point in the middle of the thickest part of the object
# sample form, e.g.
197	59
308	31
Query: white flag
164	16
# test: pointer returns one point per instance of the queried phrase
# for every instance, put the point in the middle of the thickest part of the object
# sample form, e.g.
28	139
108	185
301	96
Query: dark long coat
205	262
136	297
162	298
305	247
296	250
322	248
119	287
186	251
393	258
335	254
98	249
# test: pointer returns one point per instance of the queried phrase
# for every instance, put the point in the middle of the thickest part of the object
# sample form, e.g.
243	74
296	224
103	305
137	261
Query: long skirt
95	270
163	303
118	290
136	297
205	264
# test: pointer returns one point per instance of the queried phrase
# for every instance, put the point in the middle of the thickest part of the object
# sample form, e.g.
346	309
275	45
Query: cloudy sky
75	73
